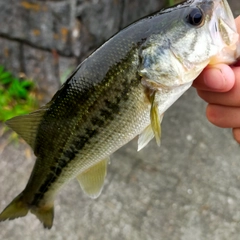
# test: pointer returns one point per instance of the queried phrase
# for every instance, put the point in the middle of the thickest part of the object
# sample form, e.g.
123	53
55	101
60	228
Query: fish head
191	35
224	34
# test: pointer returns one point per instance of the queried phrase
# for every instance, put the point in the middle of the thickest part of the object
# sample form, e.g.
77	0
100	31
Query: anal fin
92	180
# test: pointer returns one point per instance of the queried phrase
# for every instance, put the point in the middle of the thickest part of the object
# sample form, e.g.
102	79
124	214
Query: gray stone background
189	189
45	40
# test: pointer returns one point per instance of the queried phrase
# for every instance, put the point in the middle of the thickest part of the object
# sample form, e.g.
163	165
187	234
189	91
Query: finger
230	98
225	117
236	134
237	21
217	78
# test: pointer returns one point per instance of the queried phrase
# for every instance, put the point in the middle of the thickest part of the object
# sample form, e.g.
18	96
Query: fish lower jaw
155	86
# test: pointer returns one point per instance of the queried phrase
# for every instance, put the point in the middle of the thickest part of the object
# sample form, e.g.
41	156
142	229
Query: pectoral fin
92	180
156	120
145	137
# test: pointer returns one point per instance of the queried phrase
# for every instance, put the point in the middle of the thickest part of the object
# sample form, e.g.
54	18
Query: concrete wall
45	40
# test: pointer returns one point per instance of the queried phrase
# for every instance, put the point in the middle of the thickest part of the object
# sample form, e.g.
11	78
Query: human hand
219	85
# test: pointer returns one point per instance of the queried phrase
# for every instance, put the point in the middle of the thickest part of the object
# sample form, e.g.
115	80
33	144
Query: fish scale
120	91
106	108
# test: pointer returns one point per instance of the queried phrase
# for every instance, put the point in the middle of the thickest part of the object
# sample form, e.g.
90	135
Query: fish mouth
224	33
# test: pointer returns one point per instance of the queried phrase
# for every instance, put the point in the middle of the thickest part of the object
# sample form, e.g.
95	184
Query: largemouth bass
120	91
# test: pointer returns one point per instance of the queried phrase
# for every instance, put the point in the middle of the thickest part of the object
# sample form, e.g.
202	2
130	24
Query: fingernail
214	79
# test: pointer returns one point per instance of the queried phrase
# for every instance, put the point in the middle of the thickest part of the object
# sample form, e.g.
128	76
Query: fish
117	93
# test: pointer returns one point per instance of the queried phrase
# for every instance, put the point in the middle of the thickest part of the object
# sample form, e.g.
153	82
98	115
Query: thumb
215	78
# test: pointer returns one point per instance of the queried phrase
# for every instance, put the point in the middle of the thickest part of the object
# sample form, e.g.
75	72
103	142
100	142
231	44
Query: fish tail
19	208
45	215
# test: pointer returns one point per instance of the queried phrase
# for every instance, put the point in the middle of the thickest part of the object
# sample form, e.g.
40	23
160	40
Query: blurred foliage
17	96
172	2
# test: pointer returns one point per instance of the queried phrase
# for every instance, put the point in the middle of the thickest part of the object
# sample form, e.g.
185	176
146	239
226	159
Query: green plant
16	95
172	2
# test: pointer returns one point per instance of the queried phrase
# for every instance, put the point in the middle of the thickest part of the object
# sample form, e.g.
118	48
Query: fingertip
215	78
215	116
211	114
219	78
236	134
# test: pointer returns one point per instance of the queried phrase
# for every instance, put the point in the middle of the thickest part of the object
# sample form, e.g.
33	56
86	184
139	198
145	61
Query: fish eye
195	17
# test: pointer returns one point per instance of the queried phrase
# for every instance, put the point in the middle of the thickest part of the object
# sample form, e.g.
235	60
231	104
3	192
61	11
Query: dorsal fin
92	180
27	125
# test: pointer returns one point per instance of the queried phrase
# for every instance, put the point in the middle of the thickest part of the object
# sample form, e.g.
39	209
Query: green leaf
5	81
27	84
1	69
15	95
5	75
